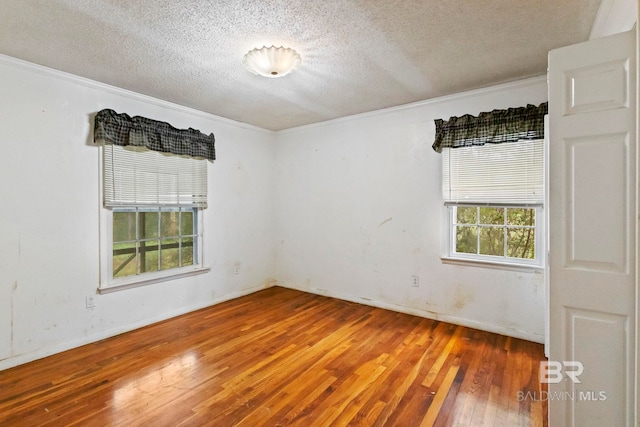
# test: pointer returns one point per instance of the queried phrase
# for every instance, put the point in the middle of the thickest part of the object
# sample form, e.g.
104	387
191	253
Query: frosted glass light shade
271	61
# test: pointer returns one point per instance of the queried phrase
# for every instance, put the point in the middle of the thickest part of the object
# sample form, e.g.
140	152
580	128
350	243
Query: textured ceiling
357	55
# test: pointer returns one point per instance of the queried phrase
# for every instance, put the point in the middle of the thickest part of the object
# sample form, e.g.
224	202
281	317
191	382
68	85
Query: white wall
349	208
49	215
359	211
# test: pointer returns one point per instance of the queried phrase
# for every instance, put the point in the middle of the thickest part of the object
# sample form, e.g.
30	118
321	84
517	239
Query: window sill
137	281
492	264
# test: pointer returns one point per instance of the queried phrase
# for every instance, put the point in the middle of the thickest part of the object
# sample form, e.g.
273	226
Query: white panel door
592	248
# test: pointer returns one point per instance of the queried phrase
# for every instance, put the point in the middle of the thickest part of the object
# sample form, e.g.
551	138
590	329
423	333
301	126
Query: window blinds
508	173
135	176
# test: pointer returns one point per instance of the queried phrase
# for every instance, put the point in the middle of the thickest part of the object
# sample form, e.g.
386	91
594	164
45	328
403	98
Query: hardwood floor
281	357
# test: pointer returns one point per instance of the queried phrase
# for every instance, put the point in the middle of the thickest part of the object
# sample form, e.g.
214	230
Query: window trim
490	264
450	256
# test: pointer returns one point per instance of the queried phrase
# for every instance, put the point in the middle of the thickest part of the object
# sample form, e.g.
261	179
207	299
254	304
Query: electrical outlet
90	302
415	281
236	269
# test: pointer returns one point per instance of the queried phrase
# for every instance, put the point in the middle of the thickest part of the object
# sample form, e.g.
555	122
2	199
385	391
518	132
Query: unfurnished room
335	213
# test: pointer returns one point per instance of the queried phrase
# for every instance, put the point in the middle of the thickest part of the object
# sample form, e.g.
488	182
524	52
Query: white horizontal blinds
135	176
511	172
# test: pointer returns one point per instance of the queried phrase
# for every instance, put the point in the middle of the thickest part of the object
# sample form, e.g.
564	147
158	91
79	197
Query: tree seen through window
495	231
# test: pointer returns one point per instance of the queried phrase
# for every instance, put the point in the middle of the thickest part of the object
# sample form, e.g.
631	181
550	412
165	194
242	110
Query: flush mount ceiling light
271	61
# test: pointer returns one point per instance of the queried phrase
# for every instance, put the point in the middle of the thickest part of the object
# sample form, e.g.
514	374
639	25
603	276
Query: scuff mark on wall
461	298
269	283
385	221
14	287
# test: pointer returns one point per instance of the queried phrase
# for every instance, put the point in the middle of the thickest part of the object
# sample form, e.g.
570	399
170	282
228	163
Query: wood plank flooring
283	358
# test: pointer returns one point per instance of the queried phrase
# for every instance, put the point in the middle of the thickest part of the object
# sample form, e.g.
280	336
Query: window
154	189
494	194
153	209
154	239
493	184
497	233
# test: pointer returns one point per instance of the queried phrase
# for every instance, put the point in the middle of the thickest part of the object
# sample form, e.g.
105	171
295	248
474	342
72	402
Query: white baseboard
515	333
68	345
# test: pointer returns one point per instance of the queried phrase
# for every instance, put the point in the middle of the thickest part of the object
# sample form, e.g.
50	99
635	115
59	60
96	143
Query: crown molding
93	84
516	84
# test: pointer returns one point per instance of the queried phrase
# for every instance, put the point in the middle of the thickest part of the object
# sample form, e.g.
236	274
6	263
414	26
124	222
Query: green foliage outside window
495	231
147	240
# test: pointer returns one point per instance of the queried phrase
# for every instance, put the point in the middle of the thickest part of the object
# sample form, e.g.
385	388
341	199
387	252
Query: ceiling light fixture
271	61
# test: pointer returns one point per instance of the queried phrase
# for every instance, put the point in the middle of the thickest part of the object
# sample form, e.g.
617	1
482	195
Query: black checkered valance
494	127
121	129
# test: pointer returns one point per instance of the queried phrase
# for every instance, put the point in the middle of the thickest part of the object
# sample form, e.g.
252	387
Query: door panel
592	244
597	88
598	233
598	394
